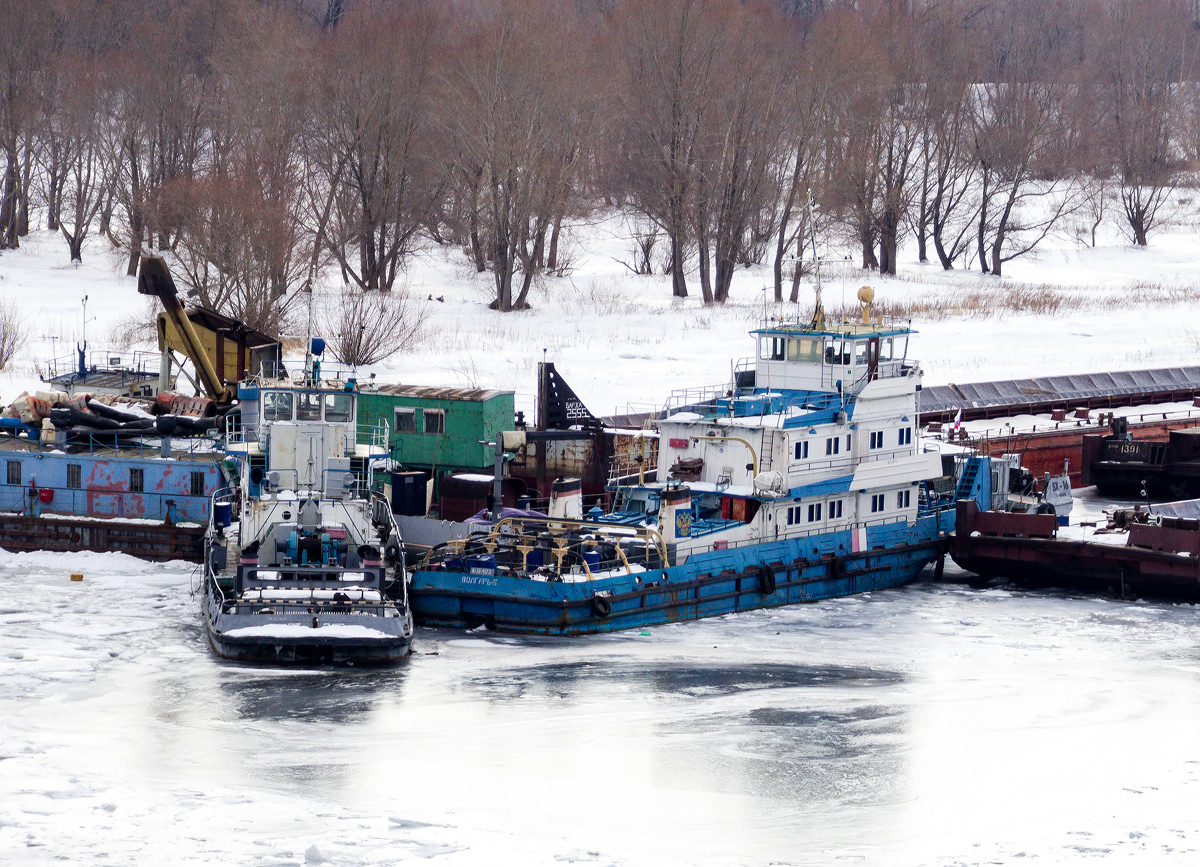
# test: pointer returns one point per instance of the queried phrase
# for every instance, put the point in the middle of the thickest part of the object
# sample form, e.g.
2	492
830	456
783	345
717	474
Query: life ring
601	607
766	580
837	567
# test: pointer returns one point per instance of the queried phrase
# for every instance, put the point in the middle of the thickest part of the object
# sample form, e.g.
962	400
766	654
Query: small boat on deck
311	570
801	479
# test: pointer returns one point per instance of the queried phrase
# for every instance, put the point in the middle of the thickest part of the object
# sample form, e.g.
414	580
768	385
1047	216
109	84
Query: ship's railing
273	372
90	503
835	527
311	590
145	444
224	495
139	364
559	544
376	435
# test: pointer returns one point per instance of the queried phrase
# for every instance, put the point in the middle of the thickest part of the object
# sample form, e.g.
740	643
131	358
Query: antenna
818	320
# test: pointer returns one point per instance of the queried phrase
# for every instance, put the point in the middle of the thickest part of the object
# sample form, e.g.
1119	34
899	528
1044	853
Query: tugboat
802	479
311	570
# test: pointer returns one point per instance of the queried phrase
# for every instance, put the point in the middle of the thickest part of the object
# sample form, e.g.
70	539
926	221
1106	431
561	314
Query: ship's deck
181	449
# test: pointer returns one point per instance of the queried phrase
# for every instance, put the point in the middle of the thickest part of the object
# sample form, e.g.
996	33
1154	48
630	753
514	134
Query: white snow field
623	343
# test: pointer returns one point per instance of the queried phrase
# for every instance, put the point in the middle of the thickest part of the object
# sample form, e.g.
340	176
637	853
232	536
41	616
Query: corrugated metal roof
433	392
941	398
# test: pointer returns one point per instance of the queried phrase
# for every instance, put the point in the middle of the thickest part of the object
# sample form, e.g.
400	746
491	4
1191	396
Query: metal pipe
753	455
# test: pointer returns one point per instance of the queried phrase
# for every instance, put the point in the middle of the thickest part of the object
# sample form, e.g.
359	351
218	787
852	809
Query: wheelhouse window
277	406
804	349
772	348
801	450
338	407
308	406
435	421
905	436
836	352
406	420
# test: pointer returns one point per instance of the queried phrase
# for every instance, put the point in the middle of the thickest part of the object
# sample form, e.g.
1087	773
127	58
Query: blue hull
763	575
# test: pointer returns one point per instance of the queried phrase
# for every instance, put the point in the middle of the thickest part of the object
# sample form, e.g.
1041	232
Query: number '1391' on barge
802	479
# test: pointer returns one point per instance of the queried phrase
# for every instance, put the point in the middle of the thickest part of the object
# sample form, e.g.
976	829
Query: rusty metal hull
1014	552
62	533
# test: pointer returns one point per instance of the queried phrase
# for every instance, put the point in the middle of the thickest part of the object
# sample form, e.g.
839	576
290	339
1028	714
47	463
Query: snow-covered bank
624	343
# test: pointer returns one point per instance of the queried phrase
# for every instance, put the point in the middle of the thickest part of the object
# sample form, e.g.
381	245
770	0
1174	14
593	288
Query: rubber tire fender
766	580
601	607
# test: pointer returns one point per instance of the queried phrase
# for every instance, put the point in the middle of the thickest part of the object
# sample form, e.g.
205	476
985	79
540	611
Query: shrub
367	327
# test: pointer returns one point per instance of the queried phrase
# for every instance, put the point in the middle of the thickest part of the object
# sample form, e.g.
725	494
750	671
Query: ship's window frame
878	503
905	438
835	509
772	347
274	400
433	422
801	450
903	499
14	472
405	412
332	413
876	439
308	406
196	484
805	349
75	476
137	480
814	512
885	349
833	445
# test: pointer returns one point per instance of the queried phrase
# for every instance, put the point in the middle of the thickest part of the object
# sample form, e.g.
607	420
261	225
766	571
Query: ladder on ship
967	483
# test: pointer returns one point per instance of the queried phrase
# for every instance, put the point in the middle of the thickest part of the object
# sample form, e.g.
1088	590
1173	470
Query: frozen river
930	725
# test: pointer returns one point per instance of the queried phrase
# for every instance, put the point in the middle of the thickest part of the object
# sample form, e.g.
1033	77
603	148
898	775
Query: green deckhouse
439	430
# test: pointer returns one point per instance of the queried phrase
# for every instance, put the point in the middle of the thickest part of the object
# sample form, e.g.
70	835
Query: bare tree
14	332
948	204
517	118
740	140
1142	57
26	31
85	106
379	178
369	327
667	51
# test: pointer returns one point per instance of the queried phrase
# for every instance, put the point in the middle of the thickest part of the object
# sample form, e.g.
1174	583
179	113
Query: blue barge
802	479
